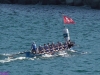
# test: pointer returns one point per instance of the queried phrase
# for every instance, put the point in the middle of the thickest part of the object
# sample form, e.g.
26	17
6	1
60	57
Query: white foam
61	53
72	50
47	55
31	58
20	58
6	54
9	59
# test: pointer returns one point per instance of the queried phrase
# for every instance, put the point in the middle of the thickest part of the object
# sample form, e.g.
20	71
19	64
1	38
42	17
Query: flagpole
64	25
63	20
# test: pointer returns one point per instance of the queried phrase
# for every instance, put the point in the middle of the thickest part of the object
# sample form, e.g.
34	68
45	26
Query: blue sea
20	25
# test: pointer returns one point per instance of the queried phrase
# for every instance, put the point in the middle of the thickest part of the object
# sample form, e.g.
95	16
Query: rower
56	47
66	34
53	44
60	46
40	49
65	45
33	47
48	44
46	47
51	49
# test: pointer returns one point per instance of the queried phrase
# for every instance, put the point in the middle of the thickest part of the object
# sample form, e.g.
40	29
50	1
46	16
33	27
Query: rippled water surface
20	25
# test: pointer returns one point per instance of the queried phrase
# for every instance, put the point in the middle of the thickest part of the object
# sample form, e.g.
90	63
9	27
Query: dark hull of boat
55	52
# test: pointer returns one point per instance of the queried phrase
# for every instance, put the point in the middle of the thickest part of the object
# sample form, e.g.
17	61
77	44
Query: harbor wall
95	4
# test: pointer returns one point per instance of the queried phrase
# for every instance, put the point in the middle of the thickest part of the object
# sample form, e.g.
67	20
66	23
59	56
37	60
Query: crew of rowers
54	47
51	47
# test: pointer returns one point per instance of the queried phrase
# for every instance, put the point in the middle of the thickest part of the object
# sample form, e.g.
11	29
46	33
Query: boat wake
11	59
4	58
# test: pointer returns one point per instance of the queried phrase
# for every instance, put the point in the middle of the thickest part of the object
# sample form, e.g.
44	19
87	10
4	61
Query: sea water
20	25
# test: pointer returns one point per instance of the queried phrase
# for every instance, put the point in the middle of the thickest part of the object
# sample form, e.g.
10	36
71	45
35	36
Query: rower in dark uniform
41	49
51	48
56	47
65	45
60	45
46	48
48	44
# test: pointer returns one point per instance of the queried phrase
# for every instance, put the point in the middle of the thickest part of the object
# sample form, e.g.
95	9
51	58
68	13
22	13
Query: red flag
68	20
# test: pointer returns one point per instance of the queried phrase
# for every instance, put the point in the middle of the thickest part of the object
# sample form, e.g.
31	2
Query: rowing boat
67	20
53	52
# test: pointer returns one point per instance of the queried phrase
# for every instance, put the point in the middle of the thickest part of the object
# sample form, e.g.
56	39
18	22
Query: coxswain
33	47
66	34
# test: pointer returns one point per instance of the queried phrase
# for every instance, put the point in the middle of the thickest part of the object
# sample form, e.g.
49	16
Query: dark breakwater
95	4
